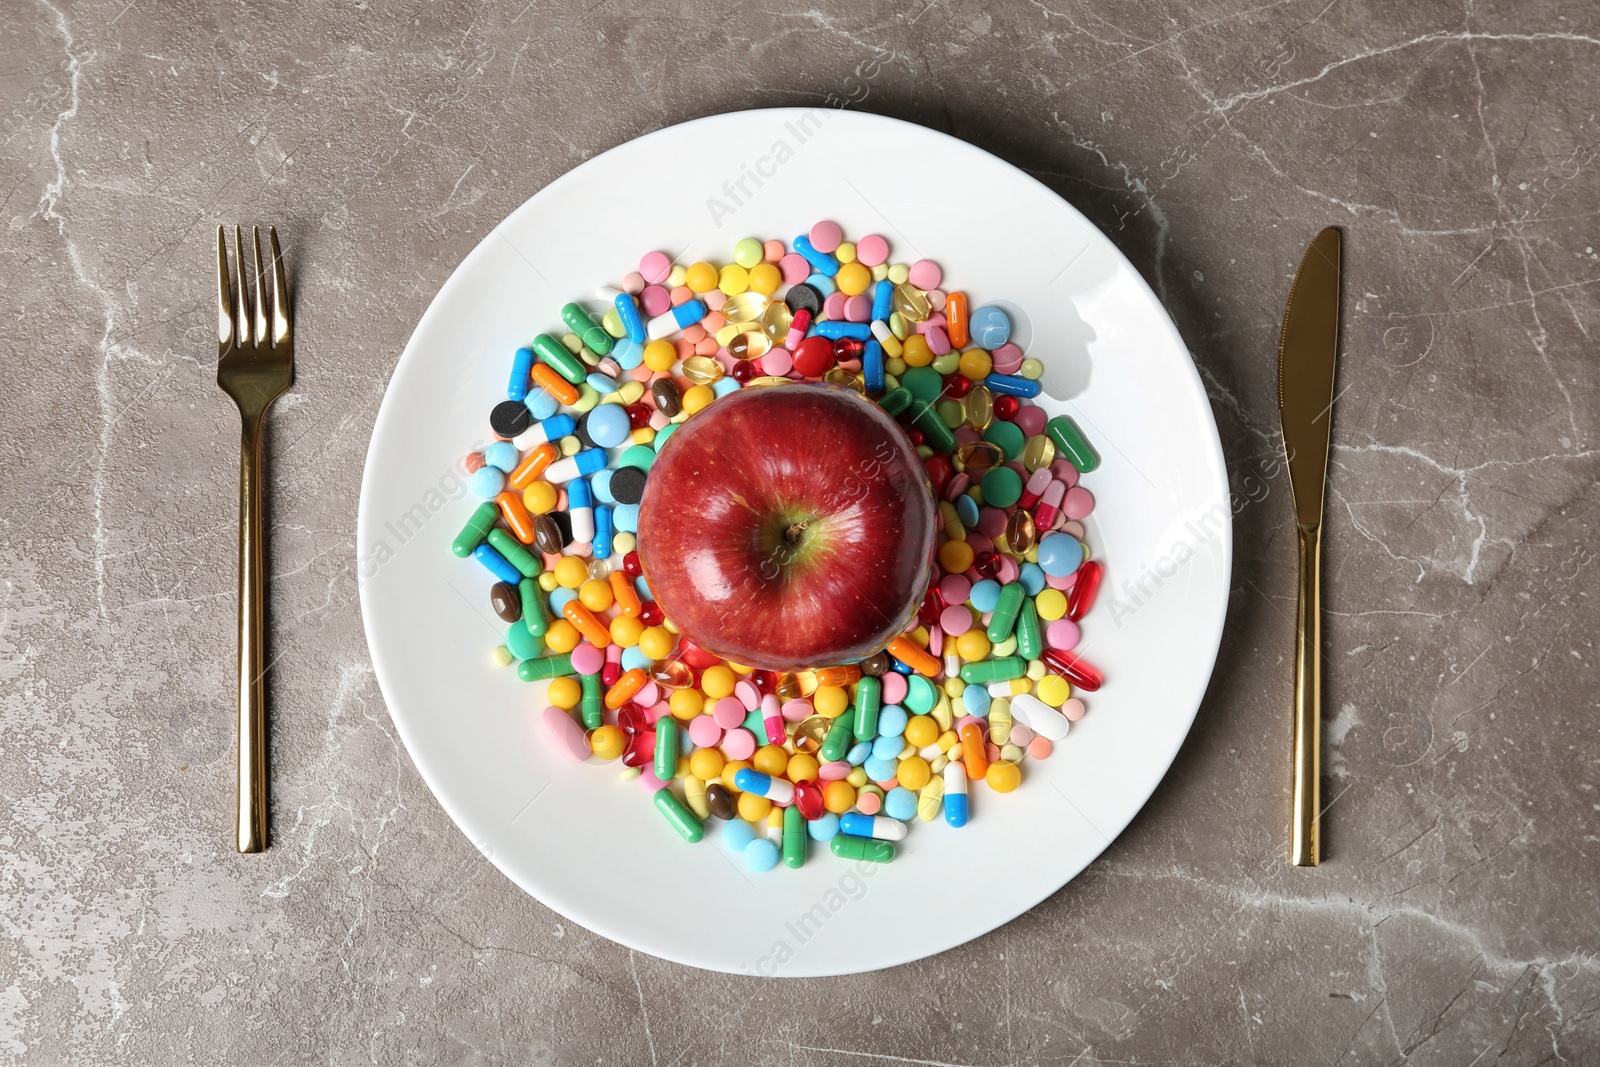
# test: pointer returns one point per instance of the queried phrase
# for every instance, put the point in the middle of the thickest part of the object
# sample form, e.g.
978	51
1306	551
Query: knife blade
1308	353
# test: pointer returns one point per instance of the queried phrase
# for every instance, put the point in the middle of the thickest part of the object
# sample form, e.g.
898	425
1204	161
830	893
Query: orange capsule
630	683
547	379
530	468
908	652
955	316
623	592
587	625
516	516
973	753
849	674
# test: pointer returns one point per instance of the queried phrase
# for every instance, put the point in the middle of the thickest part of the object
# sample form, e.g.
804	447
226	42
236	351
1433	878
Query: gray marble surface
1455	920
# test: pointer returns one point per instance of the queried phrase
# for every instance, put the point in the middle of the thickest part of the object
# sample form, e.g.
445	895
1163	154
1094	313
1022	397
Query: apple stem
792	534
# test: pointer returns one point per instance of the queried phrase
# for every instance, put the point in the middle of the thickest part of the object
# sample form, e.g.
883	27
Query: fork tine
260	290
280	293
224	293
241	305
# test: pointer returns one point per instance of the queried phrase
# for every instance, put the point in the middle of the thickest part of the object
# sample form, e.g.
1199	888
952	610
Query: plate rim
410	356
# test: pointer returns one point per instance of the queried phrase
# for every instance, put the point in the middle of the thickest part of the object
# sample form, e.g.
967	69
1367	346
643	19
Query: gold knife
1308	351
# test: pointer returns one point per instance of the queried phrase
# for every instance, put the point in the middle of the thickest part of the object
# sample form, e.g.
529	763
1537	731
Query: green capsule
1030	642
583	324
544	668
476	529
794	837
667	748
757	726
682	819
895	400
838	741
869	691
591	704
554	354
862	848
1004	618
940	437
1065	433
1003	669
509	547
534	615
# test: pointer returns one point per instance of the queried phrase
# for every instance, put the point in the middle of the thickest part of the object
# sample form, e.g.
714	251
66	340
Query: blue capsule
824	263
1012	385
603	532
632	321
833	330
497	564
628	353
521	368
899	667
872	368
883	300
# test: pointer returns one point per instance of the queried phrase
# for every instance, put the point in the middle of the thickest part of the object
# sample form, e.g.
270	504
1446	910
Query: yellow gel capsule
701	370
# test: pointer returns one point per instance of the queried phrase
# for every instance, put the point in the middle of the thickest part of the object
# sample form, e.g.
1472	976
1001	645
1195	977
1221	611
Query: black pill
563	523
627	485
506	601
720	801
803	297
582	432
547	535
509	418
875	665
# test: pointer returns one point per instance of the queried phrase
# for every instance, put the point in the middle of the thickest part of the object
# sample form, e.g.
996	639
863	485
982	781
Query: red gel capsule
1006	407
1081	597
631	720
766	681
650	613
957	386
743	371
916	437
630	565
814	357
694	655
638	414
848	348
641	750
987	564
1083	675
940	471
933	606
808	798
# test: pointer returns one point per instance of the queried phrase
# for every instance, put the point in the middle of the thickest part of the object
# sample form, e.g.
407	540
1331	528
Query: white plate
593	848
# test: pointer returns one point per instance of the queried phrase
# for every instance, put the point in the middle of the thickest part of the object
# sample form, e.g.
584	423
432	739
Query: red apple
788	527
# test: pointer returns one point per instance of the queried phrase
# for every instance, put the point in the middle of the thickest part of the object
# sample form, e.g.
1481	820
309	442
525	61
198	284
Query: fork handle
252	825
1305	844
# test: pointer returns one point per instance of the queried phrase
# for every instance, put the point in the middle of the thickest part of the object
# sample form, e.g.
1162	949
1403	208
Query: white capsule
1039	717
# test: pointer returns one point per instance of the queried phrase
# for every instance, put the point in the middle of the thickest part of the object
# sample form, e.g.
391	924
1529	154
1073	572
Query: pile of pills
848	754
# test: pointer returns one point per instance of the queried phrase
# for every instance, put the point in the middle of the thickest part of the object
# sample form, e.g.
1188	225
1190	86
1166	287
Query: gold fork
255	350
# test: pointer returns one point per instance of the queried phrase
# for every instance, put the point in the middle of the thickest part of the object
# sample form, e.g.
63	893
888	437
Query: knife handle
1305	835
